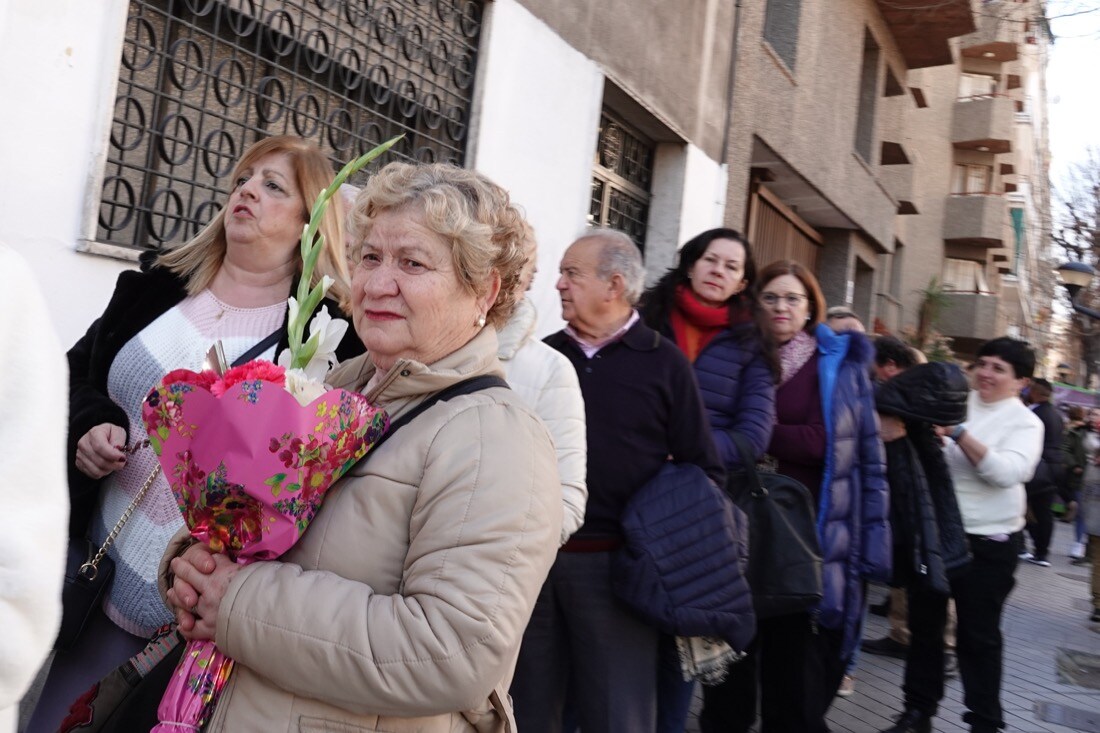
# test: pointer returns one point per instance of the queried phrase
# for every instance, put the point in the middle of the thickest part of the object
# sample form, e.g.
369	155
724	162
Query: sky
1073	90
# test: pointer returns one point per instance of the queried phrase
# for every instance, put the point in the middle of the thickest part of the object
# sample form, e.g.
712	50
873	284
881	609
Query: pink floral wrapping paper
249	467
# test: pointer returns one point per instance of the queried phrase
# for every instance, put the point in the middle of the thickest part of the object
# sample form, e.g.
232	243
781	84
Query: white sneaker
1025	555
1077	550
847	686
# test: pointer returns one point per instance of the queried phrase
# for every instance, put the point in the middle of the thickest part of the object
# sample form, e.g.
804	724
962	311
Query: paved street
1048	611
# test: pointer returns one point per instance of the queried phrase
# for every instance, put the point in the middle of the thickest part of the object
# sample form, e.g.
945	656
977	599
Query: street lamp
1076	275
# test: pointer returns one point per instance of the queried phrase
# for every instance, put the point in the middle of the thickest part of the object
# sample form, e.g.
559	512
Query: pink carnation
257	369
200	379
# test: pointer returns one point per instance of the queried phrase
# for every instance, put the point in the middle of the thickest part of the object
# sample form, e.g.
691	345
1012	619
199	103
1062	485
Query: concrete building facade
819	165
129	114
982	185
901	152
834	133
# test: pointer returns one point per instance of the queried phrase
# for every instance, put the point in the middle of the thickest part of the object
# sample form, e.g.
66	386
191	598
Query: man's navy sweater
643	408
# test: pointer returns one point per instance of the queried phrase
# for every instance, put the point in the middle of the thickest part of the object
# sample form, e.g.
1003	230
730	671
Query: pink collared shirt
591	348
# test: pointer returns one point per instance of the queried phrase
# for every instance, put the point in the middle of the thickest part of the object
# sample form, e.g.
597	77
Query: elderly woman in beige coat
403	606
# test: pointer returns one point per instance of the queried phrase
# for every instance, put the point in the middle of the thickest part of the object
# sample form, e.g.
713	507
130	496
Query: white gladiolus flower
292	309
326	332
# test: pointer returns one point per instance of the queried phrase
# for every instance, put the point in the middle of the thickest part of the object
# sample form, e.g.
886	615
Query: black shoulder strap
268	341
467	386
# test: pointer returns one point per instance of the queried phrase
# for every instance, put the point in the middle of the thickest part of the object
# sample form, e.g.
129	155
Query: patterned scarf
794	354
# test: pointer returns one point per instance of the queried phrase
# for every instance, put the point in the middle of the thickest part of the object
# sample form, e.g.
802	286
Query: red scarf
695	324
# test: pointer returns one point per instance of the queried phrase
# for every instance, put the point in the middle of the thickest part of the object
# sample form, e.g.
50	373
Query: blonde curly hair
486	232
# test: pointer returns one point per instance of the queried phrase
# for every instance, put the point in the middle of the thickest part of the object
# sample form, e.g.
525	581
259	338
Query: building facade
983	231
821	164
131	113
882	144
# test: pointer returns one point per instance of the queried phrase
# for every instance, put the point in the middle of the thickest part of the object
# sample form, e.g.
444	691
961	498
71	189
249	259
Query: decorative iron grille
202	79
621	176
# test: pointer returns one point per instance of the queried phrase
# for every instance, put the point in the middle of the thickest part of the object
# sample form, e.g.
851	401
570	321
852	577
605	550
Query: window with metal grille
621	177
202	79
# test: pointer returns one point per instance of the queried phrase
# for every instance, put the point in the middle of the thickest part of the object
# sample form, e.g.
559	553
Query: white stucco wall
704	197
534	132
689	192
58	57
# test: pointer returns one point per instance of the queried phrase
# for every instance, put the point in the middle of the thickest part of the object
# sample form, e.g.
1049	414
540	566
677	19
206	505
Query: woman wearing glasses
825	436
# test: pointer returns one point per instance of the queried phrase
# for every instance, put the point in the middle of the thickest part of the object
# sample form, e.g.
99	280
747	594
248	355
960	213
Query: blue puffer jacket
853	513
683	565
738	391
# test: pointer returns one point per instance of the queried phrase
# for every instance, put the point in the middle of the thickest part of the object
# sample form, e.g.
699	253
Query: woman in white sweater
990	456
547	382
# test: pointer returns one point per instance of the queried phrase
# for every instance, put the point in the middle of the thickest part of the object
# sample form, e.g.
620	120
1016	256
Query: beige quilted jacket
403	606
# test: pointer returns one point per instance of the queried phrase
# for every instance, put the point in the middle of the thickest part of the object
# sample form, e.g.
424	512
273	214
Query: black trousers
1042	528
797	668
979	592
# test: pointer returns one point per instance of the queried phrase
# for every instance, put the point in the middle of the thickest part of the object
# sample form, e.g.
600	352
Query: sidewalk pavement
1047	612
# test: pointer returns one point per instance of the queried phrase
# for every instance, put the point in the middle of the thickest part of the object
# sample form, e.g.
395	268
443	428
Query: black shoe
950	666
885	647
1095	617
880	609
911	721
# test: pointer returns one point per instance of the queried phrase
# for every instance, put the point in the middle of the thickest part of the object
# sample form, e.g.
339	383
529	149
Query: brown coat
403	606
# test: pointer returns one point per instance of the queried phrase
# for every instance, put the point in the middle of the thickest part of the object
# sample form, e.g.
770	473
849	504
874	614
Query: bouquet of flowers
249	453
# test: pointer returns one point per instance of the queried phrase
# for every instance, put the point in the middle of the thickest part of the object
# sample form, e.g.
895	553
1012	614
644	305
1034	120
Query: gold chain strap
90	569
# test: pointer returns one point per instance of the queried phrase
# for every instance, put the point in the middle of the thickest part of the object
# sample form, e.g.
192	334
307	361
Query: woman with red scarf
705	306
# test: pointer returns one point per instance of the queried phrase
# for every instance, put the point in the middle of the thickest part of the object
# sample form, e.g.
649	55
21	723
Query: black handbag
784	570
86	581
88	573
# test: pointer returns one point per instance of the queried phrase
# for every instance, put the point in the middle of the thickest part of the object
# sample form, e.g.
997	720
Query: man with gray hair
643	408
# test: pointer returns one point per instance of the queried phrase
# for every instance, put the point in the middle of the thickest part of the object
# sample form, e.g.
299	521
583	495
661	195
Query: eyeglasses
793	300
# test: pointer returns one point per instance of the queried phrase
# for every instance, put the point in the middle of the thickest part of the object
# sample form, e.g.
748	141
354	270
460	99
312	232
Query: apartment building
897	148
821	161
982	184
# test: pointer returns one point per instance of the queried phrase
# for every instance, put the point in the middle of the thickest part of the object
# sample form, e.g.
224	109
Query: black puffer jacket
927	525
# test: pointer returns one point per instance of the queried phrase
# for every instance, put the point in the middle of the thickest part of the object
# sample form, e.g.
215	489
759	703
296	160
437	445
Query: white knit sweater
991	495
33	405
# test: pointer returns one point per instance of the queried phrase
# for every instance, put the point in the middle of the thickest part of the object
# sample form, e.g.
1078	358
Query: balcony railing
984	123
999	33
898	181
977	220
969	316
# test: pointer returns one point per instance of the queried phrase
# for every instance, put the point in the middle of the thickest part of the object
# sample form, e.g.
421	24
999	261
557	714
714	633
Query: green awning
1018	228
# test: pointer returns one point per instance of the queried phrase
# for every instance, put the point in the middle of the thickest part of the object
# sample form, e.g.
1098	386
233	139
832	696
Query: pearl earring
480	321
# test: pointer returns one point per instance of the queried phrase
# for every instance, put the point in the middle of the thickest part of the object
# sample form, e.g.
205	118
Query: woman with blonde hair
403	606
230	283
